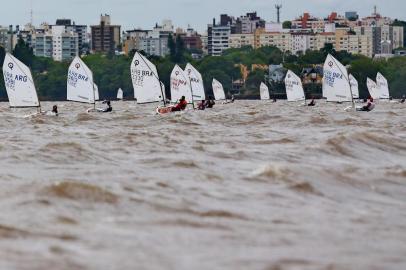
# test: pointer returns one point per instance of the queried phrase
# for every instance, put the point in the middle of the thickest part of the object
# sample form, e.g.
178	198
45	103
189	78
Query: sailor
209	103
182	104
202	105
370	106
55	110
108	108
232	99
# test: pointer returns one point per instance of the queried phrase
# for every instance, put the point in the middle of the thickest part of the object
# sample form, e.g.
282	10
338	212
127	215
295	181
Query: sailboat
96	92
120	94
80	85
374	92
294	87
19	84
264	92
218	90
354	87
180	85
383	86
336	82
196	82
145	79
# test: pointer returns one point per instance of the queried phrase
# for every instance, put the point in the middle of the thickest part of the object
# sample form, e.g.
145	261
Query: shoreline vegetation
112	72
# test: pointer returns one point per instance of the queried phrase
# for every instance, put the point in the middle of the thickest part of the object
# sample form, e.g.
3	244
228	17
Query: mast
191	92
94	93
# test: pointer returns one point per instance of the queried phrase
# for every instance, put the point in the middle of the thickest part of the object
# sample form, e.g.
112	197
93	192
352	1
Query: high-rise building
81	30
7	40
217	38
132	39
56	42
106	37
192	40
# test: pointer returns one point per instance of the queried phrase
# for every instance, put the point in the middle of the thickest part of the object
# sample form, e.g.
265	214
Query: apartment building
7	39
218	37
241	40
56	42
80	30
106	37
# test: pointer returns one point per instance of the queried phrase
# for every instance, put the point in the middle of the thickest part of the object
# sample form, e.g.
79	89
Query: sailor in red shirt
181	105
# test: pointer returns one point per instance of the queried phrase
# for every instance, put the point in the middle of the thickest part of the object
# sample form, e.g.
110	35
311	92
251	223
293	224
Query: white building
56	42
218	39
301	42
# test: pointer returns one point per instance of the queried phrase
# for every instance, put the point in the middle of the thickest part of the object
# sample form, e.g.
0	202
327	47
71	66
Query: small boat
145	79
120	94
196	82
218	90
294	88
336	82
354	87
374	92
20	84
383	87
80	84
264	92
180	86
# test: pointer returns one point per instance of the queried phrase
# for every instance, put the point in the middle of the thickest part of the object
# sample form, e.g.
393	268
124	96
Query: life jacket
182	105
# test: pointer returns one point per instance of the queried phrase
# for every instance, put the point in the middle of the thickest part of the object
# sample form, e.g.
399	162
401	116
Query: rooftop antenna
31	14
278	12
375	10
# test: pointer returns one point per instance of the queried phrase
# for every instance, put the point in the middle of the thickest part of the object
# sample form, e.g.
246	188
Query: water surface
249	185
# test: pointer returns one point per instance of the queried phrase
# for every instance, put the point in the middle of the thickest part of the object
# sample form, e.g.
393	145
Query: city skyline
192	12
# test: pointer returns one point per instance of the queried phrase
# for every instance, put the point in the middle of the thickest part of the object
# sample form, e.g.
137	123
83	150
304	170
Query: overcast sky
198	13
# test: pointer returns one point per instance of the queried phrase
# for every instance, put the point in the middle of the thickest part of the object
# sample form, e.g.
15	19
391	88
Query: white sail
264	92
120	94
145	79
218	90
294	87
19	83
180	85
374	92
383	86
96	92
80	86
354	86
336	86
196	82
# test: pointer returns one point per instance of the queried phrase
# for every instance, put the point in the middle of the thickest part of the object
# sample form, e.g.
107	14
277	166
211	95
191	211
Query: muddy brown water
249	185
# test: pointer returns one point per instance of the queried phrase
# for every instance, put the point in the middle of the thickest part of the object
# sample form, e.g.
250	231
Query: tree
23	52
254	80
328	49
362	69
180	50
2	55
287	25
312	57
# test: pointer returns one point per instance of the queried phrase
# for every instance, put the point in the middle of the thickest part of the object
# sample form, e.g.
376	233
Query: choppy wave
249	185
80	192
